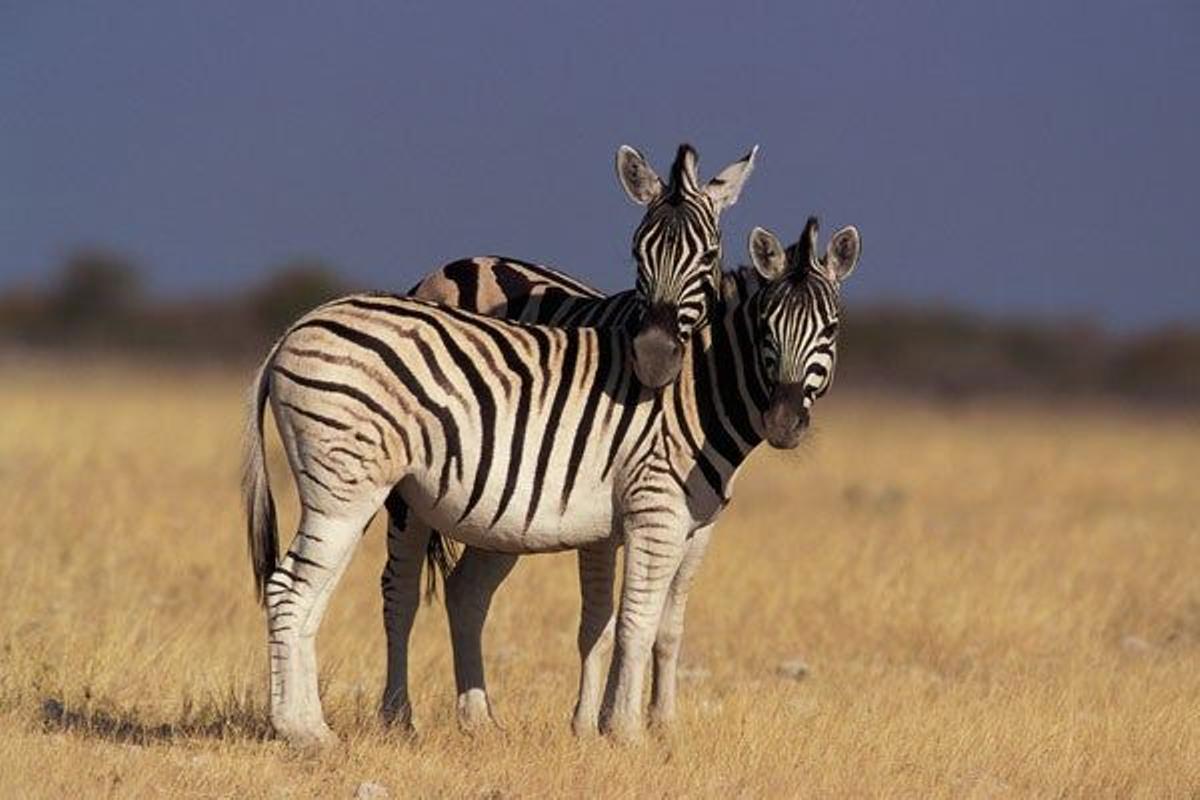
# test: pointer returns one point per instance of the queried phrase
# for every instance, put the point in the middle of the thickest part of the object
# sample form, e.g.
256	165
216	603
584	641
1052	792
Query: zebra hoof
662	720
474	711
584	727
398	720
306	737
624	730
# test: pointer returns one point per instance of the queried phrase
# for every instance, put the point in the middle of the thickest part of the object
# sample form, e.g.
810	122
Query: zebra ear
767	254
726	186
638	178
841	256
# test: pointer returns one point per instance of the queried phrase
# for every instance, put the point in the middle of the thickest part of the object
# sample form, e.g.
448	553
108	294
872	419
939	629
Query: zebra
763	317
677	249
483	427
375	392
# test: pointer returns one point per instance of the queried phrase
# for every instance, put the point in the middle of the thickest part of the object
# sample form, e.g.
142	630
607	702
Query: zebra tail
441	554
262	534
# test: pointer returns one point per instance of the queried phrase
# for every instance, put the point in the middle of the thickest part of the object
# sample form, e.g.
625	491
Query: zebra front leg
298	592
408	540
670	630
652	553
596	626
469	591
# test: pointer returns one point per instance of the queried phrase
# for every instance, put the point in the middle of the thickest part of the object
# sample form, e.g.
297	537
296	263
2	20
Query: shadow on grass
236	720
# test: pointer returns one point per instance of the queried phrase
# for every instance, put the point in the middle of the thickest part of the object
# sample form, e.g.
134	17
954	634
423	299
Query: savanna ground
992	600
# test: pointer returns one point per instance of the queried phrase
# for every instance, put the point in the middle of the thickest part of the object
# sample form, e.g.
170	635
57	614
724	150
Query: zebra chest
676	475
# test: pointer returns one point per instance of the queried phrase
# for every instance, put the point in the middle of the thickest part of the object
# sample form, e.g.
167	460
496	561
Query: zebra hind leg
408	538
469	591
298	592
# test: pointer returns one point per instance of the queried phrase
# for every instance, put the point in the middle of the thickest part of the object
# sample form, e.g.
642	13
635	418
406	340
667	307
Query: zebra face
677	248
798	323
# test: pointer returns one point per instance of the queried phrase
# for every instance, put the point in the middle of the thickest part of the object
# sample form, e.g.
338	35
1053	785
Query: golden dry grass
993	602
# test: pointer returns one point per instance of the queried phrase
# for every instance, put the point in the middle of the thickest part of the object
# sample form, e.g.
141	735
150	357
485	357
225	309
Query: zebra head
798	322
677	248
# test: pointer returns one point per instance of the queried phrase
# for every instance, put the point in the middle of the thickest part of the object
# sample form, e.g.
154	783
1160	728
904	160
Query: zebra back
508	288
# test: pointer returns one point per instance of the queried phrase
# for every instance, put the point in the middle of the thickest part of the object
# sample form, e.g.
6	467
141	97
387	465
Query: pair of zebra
515	410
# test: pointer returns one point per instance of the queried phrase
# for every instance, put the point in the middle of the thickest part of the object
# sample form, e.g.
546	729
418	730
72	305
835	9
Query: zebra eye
710	257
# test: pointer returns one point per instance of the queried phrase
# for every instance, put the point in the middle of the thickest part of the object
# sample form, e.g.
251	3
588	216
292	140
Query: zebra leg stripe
597	567
401	587
653	548
298	592
670	630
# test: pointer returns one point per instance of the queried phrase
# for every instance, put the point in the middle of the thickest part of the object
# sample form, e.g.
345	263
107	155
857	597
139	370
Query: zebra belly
587	518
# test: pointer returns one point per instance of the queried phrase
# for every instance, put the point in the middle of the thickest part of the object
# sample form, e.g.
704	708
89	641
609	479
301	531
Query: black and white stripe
516	438
474	426
677	249
768	357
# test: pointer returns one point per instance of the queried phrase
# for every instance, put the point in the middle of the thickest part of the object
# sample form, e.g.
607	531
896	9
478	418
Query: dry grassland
992	601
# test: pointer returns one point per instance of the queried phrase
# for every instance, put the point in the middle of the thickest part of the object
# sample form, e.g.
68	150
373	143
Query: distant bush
294	289
96	286
1164	364
954	352
97	302
94	300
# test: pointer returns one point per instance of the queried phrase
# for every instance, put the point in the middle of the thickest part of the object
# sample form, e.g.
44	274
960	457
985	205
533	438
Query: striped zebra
523	292
484	428
677	249
755	374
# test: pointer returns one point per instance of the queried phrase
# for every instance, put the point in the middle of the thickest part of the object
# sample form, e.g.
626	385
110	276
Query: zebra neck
726	388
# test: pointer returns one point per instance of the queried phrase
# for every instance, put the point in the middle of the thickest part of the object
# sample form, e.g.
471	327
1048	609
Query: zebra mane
684	179
802	256
739	283
742	283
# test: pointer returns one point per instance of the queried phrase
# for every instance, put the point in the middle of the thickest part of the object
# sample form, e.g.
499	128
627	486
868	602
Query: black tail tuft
262	535
440	556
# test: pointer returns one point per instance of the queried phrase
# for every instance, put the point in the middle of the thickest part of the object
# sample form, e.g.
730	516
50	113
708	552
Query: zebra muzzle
786	418
658	347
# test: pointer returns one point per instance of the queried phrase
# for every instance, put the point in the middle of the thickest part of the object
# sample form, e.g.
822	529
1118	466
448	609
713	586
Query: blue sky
1018	158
